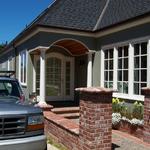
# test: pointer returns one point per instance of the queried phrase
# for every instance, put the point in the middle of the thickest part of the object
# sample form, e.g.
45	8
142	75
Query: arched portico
59	66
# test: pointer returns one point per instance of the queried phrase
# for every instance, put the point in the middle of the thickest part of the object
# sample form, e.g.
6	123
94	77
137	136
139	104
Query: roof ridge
101	15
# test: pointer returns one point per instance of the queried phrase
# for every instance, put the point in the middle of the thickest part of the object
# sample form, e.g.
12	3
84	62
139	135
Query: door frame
64	59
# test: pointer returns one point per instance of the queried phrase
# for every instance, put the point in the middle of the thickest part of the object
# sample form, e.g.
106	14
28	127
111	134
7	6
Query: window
122	83
10	63
38	77
108	68
126	69
140	67
23	67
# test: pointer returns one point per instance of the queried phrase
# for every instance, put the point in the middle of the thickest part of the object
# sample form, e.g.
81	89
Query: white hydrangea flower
116	118
135	121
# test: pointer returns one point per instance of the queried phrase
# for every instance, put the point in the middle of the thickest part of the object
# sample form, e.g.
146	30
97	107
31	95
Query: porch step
65	110
70	115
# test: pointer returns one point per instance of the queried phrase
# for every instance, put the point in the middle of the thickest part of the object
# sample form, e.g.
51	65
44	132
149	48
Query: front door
59	77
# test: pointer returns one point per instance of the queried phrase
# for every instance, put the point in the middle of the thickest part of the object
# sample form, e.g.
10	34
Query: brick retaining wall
95	123
63	130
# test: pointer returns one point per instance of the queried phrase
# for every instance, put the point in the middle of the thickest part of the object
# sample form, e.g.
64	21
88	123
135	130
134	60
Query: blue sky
16	14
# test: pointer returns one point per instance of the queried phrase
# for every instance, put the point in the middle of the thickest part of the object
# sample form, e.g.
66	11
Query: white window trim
130	95
9	62
23	83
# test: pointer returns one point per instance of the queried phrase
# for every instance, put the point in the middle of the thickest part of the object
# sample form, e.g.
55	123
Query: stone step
70	115
65	110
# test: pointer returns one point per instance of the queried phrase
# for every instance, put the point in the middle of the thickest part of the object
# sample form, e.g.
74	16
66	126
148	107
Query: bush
135	111
138	109
119	106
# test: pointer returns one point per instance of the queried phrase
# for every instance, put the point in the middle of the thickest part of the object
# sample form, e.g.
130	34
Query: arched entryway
58	67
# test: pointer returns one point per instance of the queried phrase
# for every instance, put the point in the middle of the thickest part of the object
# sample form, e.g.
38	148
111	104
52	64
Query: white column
115	66
89	70
131	71
42	76
148	63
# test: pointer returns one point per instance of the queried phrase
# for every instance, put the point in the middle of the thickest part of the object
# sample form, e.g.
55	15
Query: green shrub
134	111
138	109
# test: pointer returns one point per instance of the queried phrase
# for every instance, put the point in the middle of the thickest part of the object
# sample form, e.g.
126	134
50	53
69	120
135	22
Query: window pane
119	86
125	63
136	75
136	88
125	87
106	75
143	75
111	53
136	49
119	75
106	64
110	75
120	52
105	85
144	48
111	64
125	74
119	63
110	84
106	54
144	62
136	62
125	51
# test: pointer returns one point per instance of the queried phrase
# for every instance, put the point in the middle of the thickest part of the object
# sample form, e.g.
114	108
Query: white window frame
9	63
108	70
115	46
24	83
140	68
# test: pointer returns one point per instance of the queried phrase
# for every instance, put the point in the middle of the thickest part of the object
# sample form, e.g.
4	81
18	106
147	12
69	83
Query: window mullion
115	68
102	68
148	62
131	69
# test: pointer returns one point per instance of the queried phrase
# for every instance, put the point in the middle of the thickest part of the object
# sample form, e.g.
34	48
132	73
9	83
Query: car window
9	88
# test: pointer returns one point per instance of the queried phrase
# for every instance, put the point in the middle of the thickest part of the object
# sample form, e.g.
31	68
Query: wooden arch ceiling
74	47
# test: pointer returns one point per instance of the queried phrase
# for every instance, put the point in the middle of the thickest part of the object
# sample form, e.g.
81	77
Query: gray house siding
116	38
46	39
125	35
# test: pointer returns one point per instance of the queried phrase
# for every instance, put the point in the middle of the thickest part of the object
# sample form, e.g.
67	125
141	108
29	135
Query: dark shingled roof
121	10
92	15
73	14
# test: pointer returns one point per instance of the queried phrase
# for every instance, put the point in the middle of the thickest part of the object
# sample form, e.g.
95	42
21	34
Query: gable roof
92	15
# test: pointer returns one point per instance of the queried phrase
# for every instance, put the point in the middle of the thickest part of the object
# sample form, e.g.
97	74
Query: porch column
89	70
42	76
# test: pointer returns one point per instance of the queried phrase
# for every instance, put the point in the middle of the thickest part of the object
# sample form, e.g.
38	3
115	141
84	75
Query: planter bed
127	127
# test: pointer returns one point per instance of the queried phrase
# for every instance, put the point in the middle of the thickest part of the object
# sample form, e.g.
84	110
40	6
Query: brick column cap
145	91
95	90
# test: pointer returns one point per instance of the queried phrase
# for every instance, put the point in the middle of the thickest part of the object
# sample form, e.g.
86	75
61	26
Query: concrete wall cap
98	90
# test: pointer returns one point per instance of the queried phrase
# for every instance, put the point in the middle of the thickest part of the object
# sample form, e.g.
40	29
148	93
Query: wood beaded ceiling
74	47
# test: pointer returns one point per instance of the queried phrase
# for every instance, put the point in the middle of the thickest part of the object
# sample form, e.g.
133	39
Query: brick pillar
95	127
146	132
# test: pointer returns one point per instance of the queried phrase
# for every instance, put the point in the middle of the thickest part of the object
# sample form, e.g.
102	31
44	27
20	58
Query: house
79	43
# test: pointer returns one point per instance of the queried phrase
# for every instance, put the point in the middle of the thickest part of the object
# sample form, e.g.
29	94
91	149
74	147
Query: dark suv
21	124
